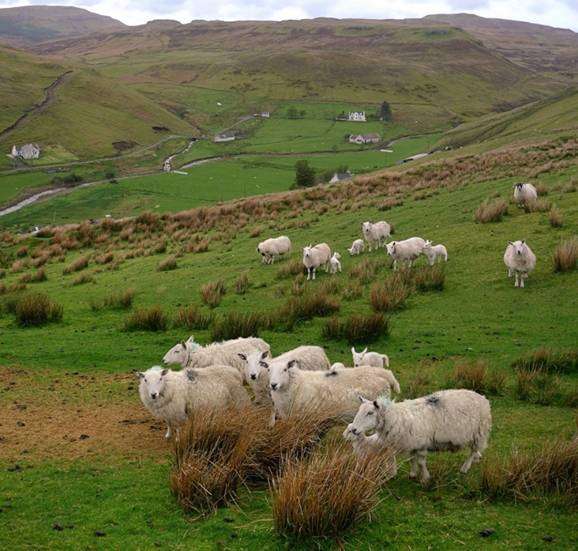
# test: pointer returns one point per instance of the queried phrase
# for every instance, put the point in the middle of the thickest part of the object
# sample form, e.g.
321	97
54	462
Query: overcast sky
558	13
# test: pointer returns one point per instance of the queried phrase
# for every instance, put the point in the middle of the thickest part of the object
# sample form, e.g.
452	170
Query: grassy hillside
556	116
110	485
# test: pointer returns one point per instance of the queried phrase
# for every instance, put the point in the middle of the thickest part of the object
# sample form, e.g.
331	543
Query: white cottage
356	116
27	151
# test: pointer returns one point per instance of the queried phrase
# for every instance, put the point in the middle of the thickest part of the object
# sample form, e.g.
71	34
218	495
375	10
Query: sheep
257	367
375	234
171	395
520	261
336	390
407	250
357	247
524	193
432	252
315	257
369	358
192	354
448	420
335	264
272	248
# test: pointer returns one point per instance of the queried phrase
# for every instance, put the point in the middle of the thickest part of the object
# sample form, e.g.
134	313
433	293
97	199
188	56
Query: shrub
328	493
242	284
147	319
292	268
192	317
36	309
476	376
77	265
169	263
389	295
550	469
358	328
236	324
83	279
555	217
491	211
429	278
213	292
548	360
308	306
37	277
566	255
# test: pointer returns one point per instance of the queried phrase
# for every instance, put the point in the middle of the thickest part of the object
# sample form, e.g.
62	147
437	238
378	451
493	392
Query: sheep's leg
169	432
516	284
413	465
474	457
308	274
509	273
394	265
522	278
422	462
272	418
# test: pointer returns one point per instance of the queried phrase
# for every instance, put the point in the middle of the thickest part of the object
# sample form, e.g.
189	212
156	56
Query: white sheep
520	261
192	354
336	391
433	252
273	248
315	257
524	193
369	358
357	247
335	264
172	395
258	365
375	234
406	251
448	420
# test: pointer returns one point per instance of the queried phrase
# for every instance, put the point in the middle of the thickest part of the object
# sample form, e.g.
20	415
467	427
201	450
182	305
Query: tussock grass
476	375
36	309
82	279
37	277
238	324
566	255
147	319
367	269
105	258
552	469
429	278
549	360
169	263
242	284
328	493
537	205
555	217
212	293
391	294
308	306
353	291
121	300
491	210
357	328
289	269
192	318
298	285
538	387
77	265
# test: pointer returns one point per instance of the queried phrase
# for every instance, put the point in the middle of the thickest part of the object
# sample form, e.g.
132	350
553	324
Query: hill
29	25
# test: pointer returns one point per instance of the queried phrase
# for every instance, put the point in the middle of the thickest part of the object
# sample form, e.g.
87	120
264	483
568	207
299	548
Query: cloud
558	13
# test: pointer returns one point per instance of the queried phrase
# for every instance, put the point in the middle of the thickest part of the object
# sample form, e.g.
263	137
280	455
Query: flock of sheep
217	374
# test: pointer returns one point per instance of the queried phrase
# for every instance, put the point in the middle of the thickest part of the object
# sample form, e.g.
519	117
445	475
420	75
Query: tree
304	174
385	111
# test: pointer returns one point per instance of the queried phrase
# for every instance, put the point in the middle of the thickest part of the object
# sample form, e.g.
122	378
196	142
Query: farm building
361	139
224	137
27	152
356	116
340	177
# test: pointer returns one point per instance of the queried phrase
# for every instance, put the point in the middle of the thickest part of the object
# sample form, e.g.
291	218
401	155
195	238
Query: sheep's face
519	247
390	248
153	382
365	419
518	187
280	374
255	365
306	252
366	228
427	246
176	355
358	357
337	256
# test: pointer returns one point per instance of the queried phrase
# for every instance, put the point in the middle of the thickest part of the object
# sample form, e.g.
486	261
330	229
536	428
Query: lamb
524	193
407	250
172	395
375	234
336	390
257	367
192	354
335	264
448	420
520	261
315	257
432	252
357	247
369	358
273	248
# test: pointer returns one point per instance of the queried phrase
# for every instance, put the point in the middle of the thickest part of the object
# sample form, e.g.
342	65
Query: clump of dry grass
566	255
357	328
491	211
352	291
298	285
429	278
418	385
541	189
555	217
538	387
391	294
549	360
242	284
36	277
213	292
77	265
308	306
550	469
105	258
537	205
21	252
366	270
169	263
292	268
201	246
238	324
192	317
160	247
256	231
389	203
82	279
147	319
36	309
477	376
328	493
121	300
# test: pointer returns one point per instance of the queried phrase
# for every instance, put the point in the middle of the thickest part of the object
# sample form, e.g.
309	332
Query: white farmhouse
341	177
27	151
361	139
224	137
356	116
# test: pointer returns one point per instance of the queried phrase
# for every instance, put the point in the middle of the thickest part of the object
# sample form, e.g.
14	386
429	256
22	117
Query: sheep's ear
293	363
139	374
523	241
191	375
164	372
265	354
375	404
364	351
184	344
191	340
361	398
353	350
